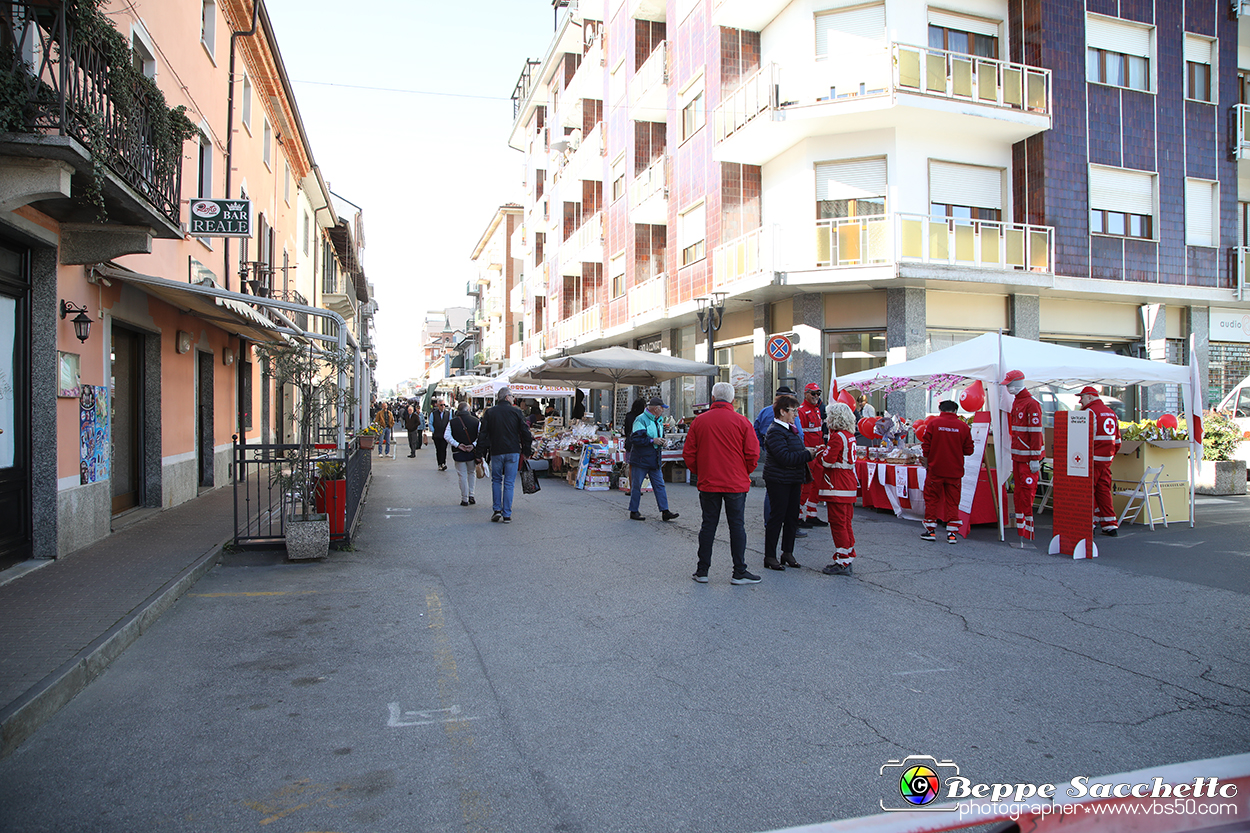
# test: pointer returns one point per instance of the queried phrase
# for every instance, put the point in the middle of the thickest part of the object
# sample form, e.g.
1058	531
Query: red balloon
921	428
865	426
1167	421
973	397
847	399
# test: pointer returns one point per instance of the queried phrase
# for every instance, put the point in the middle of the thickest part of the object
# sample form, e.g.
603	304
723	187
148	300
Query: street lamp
81	322
711	313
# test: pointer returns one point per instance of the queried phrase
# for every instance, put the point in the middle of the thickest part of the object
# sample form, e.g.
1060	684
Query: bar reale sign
220	218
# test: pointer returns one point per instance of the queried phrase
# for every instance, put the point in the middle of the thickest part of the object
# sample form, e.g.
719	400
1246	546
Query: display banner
972	463
1078	444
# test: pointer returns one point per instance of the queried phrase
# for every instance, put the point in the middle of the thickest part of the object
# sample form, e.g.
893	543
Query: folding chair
1045	486
1138	497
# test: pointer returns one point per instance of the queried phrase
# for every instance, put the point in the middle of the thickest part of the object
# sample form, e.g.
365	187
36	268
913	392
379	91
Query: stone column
1200	328
1154	333
1025	316
809	323
906	330
43	405
763	364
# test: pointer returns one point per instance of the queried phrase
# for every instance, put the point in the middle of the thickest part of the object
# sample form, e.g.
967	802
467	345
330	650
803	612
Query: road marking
924	671
425	717
255	593
1188	546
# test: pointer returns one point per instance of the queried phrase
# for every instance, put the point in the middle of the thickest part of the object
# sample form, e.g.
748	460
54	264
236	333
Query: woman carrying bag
785	471
461	436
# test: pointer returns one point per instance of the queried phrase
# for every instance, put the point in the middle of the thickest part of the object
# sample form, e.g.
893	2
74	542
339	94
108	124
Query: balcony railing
954	75
646	88
647	184
589	238
897	238
577	325
1241	138
294	297
1241	254
649	296
757	94
67	89
516	299
737	259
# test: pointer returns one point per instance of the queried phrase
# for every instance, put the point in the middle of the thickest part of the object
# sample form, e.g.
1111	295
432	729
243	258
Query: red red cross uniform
1028	445
837	487
1106	444
809	423
947	440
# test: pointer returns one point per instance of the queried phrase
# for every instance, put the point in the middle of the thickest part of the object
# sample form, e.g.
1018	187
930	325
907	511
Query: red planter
332	500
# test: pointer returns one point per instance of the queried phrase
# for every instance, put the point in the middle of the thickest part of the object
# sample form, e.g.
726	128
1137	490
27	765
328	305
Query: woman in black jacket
462	437
785	471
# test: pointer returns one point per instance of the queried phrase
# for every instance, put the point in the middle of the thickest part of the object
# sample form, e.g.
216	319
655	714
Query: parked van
1237	405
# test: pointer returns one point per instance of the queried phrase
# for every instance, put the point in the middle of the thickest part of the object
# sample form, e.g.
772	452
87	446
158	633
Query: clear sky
407	106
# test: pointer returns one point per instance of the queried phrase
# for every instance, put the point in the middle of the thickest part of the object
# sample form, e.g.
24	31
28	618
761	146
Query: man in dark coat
415	426
438	427
504	437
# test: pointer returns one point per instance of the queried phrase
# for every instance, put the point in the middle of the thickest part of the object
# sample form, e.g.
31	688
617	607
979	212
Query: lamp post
711	314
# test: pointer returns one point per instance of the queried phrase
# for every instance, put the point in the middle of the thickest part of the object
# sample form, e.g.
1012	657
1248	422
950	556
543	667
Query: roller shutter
854	30
972	185
1121	189
1117	35
851	180
976	25
1199	212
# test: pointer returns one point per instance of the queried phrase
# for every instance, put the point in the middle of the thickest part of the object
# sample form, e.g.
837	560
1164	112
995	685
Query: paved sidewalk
64	621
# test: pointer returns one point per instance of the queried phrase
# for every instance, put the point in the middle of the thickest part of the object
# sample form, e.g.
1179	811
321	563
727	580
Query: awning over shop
232	316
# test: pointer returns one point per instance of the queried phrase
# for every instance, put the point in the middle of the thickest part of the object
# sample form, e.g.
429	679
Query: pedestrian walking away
947	441
415	426
386	426
811	423
461	435
786	470
645	445
721	451
438	431
502	438
837	486
1106	446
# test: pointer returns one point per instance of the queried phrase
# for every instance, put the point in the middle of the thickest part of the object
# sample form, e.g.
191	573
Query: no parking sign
779	348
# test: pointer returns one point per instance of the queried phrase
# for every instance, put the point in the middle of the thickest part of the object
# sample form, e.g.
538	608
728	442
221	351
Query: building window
618	178
966	192
142	52
1120	224
267	138
247	103
853	188
208	26
968	36
204	174
1201	210
693	108
307	224
692	234
1121	202
1118	52
1198	63
616	269
851	32
964	212
286	182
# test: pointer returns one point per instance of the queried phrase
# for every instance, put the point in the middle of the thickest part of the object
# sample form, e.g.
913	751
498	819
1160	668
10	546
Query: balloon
973	397
847	399
865	426
921	427
1167	421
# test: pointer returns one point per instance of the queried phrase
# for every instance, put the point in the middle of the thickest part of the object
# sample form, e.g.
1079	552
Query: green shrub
1220	436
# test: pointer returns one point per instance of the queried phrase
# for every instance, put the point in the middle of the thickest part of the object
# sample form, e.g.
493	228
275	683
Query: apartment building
497	293
881	180
126	340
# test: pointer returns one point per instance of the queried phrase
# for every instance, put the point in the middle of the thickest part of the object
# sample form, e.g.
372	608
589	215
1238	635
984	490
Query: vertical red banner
1073	493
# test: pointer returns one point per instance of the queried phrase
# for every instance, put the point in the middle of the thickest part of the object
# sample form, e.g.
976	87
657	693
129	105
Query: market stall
988	357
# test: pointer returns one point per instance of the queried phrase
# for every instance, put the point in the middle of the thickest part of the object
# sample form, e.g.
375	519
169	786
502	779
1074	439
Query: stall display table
899	488
1133	460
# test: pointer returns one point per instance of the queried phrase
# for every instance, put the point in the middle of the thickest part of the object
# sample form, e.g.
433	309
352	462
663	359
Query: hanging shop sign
220	218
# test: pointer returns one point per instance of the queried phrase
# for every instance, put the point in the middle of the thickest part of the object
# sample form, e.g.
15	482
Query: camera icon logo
919	782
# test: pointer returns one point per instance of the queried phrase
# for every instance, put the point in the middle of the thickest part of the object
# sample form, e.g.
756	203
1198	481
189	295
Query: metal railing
68	91
577	325
652	73
897	238
648	183
955	75
1241	136
737	259
293	296
757	94
648	296
262	502
1241	257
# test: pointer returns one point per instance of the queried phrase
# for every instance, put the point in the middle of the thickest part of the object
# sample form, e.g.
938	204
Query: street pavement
564	673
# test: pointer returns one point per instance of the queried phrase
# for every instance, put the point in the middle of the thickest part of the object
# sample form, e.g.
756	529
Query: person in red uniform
837	486
810	424
1028	448
1106	445
947	441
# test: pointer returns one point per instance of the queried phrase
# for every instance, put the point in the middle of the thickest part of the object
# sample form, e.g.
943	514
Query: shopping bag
481	469
529	479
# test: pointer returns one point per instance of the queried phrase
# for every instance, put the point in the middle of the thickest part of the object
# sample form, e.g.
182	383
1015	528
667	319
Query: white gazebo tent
990	356
508	375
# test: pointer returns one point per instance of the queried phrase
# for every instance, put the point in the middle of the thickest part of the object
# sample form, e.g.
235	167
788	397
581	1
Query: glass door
15	509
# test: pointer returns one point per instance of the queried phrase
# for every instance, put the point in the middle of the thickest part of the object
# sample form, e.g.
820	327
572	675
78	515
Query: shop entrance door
204	419
127	421
15	508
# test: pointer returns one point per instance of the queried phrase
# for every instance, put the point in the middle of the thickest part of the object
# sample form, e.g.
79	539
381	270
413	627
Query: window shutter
1199	212
1121	189
976	25
693	226
855	30
1197	50
974	185
850	180
1117	36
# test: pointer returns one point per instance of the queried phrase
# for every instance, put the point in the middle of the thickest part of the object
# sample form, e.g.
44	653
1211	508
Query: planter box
332	501
1133	460
366	442
1221	477
307	537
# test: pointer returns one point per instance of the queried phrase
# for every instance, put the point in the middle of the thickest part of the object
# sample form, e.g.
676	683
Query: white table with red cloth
899	487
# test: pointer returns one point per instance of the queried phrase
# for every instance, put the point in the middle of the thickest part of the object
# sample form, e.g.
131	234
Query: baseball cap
655	400
1013	376
811	387
1090	390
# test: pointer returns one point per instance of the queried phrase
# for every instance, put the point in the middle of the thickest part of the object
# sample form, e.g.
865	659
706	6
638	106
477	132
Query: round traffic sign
779	348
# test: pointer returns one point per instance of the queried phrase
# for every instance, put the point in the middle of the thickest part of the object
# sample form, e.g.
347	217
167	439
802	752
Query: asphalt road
564	673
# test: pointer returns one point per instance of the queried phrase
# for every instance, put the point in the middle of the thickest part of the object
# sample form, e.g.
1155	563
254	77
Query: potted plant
330	494
321	400
368	437
1218	472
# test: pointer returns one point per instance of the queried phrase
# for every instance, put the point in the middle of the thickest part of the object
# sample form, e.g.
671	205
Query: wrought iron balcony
294	297
74	110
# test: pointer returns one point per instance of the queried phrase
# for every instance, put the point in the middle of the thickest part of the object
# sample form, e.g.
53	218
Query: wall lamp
82	324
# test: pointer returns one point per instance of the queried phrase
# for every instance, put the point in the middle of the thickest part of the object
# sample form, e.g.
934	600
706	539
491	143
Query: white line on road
425	717
924	671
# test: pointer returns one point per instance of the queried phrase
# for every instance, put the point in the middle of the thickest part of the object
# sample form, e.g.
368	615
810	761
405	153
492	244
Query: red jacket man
1028	448
1106	445
721	450
947	441
810	422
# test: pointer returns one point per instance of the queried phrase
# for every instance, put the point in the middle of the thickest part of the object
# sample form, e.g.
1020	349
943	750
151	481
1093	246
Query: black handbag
529	478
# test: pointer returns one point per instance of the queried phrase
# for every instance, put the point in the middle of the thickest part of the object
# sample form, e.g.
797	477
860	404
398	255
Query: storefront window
737	367
684	406
852	352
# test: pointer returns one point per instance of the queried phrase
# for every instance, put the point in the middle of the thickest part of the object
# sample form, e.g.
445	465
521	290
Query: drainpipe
230	134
